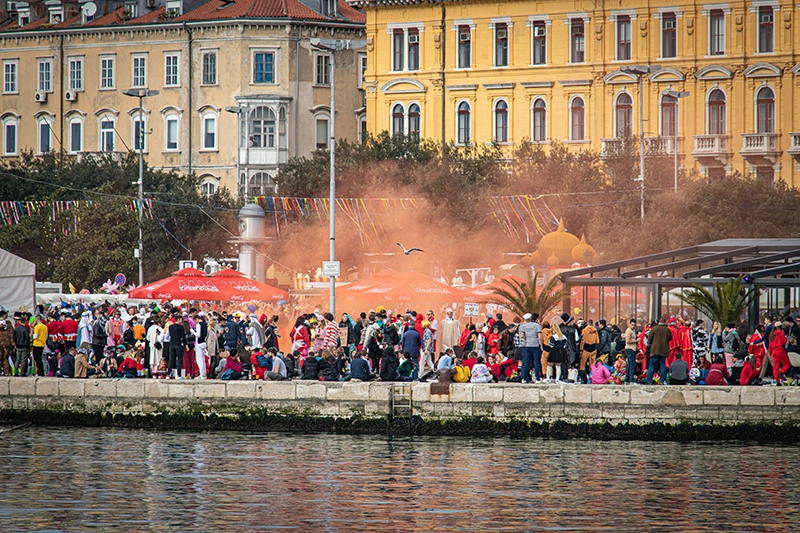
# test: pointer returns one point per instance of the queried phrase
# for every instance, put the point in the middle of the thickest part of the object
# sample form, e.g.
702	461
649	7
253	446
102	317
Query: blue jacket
359	368
411	342
232	334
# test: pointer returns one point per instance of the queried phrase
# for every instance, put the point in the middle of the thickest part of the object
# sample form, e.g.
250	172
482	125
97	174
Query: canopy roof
191	284
766	262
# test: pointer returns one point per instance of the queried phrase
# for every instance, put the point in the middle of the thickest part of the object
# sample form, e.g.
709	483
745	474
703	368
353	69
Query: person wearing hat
22	343
82	367
573	338
531	333
6	343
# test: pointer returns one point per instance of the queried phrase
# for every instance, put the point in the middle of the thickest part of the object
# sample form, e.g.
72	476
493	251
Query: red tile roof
37	24
109	19
148	17
69	22
230	9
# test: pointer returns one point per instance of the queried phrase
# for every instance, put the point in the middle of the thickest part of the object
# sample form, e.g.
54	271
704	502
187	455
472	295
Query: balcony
760	149
98	156
712	151
618	147
263	156
662	145
794	146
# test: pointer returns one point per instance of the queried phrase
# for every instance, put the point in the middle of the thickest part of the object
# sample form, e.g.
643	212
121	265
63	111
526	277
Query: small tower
252	240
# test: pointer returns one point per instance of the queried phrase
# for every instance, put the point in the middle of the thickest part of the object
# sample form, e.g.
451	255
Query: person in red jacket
69	330
748	371
756	346
777	351
54	332
493	341
718	374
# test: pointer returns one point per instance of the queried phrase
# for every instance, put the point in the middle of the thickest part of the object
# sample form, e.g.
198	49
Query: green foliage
87	245
726	303
525	296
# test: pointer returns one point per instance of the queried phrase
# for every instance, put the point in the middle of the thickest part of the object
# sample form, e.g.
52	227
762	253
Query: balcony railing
263	156
618	146
759	143
710	145
662	145
794	145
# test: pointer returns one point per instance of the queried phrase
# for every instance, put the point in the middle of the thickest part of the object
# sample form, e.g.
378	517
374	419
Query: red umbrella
244	288
192	284
392	287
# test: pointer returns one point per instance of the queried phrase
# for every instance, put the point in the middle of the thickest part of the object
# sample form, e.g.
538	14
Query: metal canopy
762	267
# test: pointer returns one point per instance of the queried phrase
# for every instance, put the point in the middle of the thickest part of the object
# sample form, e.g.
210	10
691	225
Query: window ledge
170	152
263	83
765	53
209	84
321	86
493	143
585	141
11	94
548	141
171	86
675	58
208	150
10	155
537	65
106	89
500	66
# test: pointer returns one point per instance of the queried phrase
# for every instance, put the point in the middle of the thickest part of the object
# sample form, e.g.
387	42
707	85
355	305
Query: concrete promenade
369	407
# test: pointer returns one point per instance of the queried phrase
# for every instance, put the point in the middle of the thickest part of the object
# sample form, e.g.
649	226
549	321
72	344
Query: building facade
503	72
241	86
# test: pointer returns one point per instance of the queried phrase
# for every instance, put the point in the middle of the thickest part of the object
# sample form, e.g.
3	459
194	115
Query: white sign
187	264
471	310
331	269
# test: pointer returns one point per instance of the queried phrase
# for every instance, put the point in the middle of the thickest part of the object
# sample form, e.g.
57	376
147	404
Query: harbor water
121	480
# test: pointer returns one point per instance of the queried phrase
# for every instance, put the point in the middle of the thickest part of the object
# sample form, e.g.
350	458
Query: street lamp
677	95
140	94
239	110
639	71
332	46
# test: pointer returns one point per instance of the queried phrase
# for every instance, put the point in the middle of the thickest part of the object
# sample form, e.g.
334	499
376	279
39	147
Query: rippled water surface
116	480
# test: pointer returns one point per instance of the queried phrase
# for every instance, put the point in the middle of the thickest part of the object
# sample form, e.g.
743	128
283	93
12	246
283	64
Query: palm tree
726	303
525	297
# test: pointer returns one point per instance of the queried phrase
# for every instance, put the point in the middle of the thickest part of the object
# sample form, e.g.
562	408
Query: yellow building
503	72
241	87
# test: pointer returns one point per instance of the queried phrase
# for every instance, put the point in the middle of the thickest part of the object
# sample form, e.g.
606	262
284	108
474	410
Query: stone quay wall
373	407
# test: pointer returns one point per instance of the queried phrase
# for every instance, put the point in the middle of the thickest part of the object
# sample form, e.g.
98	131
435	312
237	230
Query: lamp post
332	46
140	94
639	71
677	95
238	110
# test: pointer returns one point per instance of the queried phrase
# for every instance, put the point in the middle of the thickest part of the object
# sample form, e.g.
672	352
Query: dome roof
553	260
583	253
558	243
537	259
252	210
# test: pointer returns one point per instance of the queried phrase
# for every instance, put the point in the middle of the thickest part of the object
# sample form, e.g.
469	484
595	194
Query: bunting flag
12	213
518	215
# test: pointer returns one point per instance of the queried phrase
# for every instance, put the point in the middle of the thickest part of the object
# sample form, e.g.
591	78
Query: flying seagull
407	252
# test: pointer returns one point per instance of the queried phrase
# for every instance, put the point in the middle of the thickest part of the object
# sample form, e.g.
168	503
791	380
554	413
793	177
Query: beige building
241	88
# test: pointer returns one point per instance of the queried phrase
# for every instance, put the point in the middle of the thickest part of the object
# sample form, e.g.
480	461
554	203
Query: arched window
10	133
669	116
75	134
501	122
262	127
716	113
624	115
413	121
208	185
539	120
765	103
463	123
578	119
398	119
260	184
107	133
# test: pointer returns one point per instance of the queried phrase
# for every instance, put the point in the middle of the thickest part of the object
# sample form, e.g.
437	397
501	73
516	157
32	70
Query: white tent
17	282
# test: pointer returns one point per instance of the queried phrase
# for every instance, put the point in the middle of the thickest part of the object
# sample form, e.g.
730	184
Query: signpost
331	269
188	264
471	310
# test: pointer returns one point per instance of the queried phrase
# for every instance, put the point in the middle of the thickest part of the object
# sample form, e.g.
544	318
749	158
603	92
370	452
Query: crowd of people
182	342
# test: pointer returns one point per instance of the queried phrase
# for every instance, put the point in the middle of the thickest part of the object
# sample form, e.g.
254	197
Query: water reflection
128	481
